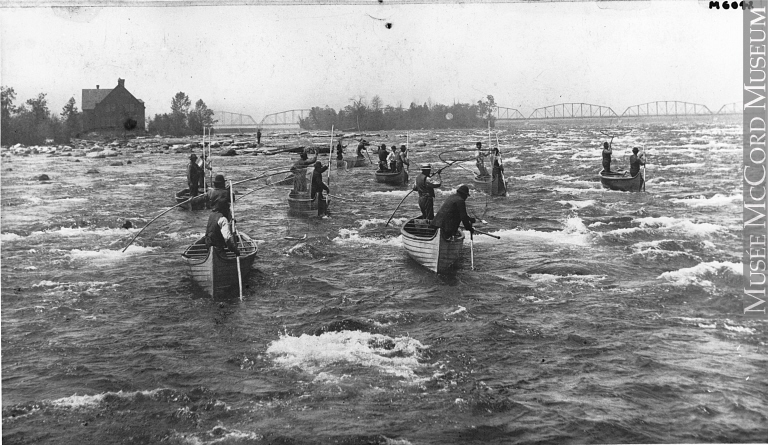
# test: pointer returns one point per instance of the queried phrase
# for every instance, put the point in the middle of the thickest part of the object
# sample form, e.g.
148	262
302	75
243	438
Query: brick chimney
121	82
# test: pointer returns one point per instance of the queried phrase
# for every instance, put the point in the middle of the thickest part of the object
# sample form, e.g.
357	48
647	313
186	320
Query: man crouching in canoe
218	233
454	212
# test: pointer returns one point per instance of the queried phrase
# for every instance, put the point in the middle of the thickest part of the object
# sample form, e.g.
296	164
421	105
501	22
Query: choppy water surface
599	316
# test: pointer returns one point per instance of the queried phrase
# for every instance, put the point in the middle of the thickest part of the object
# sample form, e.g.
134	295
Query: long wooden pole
472	249
153	220
234	235
398	206
330	164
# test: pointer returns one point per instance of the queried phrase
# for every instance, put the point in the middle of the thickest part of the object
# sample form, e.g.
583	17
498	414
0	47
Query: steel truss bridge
283	120
666	108
572	111
732	108
506	114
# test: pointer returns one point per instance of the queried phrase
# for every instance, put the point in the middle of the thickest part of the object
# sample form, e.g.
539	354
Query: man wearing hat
360	147
316	192
454	212
480	160
218	232
426	186
194	173
219	192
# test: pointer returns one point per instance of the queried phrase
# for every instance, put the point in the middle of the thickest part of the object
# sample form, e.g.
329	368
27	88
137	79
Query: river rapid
598	317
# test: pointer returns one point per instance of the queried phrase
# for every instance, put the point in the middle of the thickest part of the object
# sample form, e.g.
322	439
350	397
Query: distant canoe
483	183
622	183
299	204
427	247
196	204
215	270
398	178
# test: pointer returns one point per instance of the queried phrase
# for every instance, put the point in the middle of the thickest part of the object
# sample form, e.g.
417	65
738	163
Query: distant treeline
182	120
32	123
362	115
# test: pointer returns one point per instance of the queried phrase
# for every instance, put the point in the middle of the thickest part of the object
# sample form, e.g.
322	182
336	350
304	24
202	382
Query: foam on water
717	200
351	236
81	231
5	237
578	204
574	232
395	222
695	274
75	401
551	278
679	224
312	353
107	256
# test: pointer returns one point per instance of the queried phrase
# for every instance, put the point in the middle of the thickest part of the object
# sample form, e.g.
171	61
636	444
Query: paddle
398	206
234	235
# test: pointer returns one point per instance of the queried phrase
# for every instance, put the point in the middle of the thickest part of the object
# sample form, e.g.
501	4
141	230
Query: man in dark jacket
383	154
194	172
635	162
426	188
316	190
299	170
218	232
607	152
219	192
454	212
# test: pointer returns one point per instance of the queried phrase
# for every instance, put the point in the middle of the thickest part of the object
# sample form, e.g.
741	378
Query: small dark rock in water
128	224
9	169
129	162
92	171
116	164
230	152
43	177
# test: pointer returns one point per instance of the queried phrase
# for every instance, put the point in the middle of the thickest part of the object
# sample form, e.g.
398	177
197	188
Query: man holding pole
218	232
426	188
316	192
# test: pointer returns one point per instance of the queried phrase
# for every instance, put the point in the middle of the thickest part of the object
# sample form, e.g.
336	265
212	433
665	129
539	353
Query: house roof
92	97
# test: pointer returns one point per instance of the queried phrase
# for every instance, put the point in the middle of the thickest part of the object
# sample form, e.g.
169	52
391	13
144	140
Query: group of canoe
216	270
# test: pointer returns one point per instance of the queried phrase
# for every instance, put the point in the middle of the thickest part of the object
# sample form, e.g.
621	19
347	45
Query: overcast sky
263	59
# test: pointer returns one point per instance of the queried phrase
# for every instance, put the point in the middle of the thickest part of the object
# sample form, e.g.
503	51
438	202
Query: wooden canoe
427	247
197	204
622	183
483	183
215	270
299	204
397	178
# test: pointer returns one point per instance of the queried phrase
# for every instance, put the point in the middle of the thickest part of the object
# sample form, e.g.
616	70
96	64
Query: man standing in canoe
454	212
340	163
299	170
194	173
498	186
426	186
219	192
635	162
480	160
404	156
218	232
383	158
607	151
360	147
316	192
258	136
